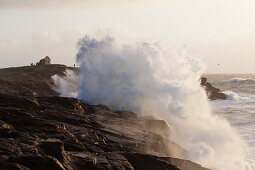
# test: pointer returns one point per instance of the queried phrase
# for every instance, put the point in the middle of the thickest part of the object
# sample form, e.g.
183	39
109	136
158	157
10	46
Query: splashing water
238	79
149	79
67	86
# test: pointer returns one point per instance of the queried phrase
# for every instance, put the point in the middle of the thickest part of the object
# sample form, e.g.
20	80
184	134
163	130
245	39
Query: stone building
45	61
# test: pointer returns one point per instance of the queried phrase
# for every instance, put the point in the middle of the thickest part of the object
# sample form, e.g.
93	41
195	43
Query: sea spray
238	79
150	79
67	85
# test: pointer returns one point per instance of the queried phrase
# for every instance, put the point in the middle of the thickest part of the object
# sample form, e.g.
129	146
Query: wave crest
238	79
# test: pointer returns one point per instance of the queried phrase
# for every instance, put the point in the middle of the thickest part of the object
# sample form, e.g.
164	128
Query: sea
239	108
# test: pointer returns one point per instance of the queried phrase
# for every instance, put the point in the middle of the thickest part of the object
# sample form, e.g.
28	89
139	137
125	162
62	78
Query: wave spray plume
149	79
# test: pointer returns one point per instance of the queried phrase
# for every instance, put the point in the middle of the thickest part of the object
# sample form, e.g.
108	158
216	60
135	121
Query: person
74	65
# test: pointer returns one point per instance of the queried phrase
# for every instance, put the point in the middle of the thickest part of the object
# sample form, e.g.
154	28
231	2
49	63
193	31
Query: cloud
66	4
61	47
45	39
36	4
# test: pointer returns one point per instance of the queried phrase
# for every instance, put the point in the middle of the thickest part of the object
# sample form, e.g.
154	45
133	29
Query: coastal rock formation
44	61
27	81
213	93
45	131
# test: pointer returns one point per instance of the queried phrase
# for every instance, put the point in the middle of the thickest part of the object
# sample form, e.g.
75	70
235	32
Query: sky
222	32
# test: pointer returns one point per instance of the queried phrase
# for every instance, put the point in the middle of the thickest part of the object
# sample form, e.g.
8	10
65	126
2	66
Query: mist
153	79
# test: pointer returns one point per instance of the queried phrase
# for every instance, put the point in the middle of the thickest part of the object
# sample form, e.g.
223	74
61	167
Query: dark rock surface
49	132
213	93
30	80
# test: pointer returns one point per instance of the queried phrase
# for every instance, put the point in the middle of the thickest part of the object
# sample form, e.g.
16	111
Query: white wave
146	78
232	95
67	86
238	79
242	96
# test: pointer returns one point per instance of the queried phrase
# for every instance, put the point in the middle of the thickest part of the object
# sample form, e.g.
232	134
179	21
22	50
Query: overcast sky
222	31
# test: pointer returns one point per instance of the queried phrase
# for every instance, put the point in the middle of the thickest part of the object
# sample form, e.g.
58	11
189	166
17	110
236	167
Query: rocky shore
212	92
39	130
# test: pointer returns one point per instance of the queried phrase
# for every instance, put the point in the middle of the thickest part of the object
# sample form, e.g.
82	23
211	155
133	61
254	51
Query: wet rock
127	115
6	165
148	162
55	148
31	81
213	93
155	125
119	161
184	164
7	131
44	131
34	162
59	135
101	161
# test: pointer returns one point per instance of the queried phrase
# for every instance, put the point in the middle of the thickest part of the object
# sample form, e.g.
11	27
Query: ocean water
239	108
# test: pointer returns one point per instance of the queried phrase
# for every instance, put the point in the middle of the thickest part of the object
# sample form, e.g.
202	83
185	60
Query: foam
238	79
67	86
239	96
148	78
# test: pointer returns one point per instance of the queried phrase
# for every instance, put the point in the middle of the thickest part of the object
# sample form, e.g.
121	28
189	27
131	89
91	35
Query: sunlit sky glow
221	31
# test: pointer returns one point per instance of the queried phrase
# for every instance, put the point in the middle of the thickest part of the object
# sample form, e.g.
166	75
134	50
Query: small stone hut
45	61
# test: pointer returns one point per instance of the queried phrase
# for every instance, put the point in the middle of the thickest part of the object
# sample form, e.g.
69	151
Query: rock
184	164
158	126
148	162
55	148
34	162
101	161
7	131
136	133
213	93
31	81
57	134
45	131
5	165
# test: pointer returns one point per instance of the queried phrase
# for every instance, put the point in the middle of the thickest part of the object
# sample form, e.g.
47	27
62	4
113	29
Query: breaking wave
148	78
239	96
67	86
238	79
232	95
